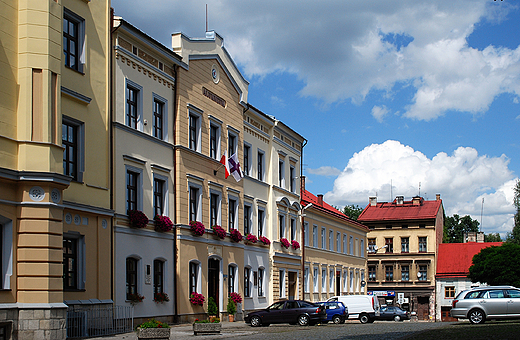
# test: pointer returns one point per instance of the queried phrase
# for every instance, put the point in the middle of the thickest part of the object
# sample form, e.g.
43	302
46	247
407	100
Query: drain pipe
174	137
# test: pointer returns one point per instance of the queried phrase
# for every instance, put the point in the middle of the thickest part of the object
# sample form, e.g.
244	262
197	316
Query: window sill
74	290
6	290
73	69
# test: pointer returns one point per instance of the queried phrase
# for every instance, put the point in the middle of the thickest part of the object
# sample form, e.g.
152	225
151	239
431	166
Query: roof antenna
481	211
206	17
419	189
391	193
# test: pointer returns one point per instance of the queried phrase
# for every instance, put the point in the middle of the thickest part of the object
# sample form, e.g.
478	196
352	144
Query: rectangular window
405	273
69	141
292	178
371	245
345	244
231	279
282	283
132	95
247	159
232	144
70	263
260	166
293	229
260	223
423	273
281	225
194	132
158	277
232	214
247	219
158	108
281	174
331	240
158	196
422	244
131	277
323	280
194	277
214	204
405	244
372	273
362	248
389	243
331	281
323	238
338	242
315	236
306	231
73	40
315	279
260	282
132	190
306	280
449	292
247	282
351	245
389	273
214	141
194	203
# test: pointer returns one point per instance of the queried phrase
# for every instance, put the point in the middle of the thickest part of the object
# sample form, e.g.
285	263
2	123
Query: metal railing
98	320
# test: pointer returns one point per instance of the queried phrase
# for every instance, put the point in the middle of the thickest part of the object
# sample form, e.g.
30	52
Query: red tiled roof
306	198
391	211
454	259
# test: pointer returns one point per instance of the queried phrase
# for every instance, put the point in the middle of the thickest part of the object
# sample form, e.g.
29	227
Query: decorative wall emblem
37	194
104	224
68	218
215	74
77	219
56	196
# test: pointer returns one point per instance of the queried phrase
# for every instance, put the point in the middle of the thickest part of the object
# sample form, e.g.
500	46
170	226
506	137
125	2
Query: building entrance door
213	280
292	285
338	283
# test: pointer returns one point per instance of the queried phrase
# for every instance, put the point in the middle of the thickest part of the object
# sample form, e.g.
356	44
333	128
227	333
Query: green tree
455	227
353	211
514	235
497	265
492	237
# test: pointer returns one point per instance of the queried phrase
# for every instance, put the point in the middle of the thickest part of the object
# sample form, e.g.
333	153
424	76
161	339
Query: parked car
336	311
485	303
362	307
393	313
293	312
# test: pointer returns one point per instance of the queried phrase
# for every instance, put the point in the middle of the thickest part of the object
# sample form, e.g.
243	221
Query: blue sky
389	94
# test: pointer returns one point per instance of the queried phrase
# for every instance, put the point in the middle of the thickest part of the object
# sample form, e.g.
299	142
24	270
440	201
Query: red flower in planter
163	223
197	228
219	231
235	235
137	218
295	244
235	297
264	240
251	238
197	299
285	242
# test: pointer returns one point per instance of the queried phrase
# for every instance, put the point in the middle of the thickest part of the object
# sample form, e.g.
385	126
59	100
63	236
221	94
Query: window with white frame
331	240
306	238
73	143
6	252
281	173
345	281
351	245
160	195
194	203
351	281
246	167
323	280
232	142
194	133
292	179
306	280
160	117
232	278
261	272
315	236
338	242
132	271
323	242
315	279
362	248
345	244
260	166
214	140
73	40
331	280
281	225
73	261
195	276
233	212
247	282
282	283
215	202
293	229
134	105
248	211
158	277
134	191
261	221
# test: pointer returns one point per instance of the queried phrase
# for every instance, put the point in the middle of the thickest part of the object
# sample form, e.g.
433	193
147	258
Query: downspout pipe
302	188
174	150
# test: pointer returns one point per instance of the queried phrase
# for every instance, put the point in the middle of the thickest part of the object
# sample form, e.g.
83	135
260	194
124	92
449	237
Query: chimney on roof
480	237
470	236
399	200
373	201
320	199
417	200
438	197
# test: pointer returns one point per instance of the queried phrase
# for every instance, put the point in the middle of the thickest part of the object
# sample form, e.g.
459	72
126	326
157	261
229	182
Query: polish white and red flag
234	168
224	161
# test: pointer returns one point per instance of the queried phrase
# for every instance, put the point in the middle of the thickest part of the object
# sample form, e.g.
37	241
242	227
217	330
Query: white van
362	307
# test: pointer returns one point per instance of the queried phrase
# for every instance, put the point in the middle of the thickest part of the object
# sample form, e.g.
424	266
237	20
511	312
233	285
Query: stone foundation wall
28	324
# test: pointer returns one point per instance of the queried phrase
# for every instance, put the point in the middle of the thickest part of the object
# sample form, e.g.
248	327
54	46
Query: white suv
485	303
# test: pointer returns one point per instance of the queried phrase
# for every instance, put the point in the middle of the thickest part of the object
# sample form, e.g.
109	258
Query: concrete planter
207	328
153	333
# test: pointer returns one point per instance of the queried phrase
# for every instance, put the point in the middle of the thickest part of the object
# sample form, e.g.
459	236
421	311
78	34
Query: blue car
336	311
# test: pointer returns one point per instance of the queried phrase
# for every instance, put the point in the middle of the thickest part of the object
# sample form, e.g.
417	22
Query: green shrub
231	307
212	307
152	323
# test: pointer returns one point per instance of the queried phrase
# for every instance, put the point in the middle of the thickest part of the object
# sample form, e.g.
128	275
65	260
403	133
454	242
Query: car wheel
255	321
363	318
476	316
397	318
336	319
303	320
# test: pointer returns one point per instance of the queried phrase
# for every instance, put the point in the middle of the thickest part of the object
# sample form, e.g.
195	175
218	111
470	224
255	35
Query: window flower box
295	244
235	235
219	231
285	243
153	329
250	238
197	228
163	223
138	219
197	299
264	240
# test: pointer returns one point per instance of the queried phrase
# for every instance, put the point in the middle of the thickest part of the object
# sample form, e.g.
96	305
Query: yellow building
55	215
211	94
334	251
403	244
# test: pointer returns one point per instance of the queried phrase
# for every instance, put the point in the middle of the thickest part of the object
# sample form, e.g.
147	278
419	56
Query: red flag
224	161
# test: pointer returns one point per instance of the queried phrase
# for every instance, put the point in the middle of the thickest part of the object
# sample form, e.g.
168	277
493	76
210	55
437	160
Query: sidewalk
185	331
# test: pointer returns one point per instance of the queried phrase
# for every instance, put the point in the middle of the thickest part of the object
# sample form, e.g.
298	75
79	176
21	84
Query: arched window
158	276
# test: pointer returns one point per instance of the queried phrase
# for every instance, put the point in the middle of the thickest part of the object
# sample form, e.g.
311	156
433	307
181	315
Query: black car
293	312
393	313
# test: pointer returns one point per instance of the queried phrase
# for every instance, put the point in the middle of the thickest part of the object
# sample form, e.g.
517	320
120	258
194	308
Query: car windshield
276	305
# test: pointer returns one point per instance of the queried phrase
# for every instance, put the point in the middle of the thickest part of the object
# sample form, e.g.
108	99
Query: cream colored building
144	88
335	255
211	96
55	214
403	244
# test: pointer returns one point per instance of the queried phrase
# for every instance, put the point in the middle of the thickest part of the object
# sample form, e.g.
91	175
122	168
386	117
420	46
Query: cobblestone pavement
379	330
